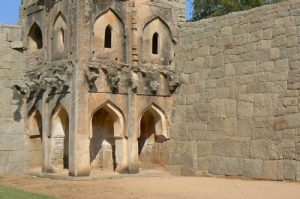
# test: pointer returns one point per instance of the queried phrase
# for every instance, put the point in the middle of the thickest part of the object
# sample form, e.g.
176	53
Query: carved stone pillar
79	156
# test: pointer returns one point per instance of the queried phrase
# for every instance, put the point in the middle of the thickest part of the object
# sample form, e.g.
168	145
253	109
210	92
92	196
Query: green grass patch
9	193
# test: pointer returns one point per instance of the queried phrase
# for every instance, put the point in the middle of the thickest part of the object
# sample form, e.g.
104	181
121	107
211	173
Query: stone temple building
124	85
99	83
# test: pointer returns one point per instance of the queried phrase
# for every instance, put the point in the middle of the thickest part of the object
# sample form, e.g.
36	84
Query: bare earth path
156	188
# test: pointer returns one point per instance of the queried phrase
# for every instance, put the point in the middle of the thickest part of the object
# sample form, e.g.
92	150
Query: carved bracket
173	81
92	75
154	86
113	77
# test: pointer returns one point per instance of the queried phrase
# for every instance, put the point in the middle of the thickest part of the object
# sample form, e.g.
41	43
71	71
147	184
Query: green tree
210	8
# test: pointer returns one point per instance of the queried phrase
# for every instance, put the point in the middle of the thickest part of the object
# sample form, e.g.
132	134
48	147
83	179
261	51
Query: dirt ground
163	187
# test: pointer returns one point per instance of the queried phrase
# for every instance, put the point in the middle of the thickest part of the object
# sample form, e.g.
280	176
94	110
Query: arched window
108	37
155	43
35	38
61	39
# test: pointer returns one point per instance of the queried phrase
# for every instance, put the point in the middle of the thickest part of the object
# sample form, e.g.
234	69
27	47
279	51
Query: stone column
46	132
132	143
79	155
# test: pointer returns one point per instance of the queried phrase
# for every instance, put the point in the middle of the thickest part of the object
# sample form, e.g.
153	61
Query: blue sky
9	11
189	4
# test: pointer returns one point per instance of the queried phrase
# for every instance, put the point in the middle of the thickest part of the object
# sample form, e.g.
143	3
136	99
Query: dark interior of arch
36	36
108	37
155	42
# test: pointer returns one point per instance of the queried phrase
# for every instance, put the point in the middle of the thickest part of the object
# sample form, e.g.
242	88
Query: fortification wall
12	136
237	110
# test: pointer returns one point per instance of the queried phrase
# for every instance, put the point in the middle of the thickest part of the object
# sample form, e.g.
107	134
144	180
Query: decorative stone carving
173	81
154	85
132	83
112	76
92	75
113	80
21	89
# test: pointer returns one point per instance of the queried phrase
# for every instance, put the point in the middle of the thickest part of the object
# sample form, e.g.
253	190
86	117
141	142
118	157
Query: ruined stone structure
99	83
122	84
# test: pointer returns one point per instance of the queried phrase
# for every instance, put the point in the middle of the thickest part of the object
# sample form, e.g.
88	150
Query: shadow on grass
9	193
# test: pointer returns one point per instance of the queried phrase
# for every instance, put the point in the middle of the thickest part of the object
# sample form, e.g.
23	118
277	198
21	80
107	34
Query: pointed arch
34	143
107	137
108	37
117	115
159	120
59	145
157	33
155	43
157	18
34	38
59	122
109	10
59	30
109	34
35	126
59	16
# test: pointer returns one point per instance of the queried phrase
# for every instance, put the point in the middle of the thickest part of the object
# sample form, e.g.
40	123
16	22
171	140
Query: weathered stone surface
11	142
204	148
12	133
273	170
231	148
249	93
15	168
236	112
288	121
266	150
289	170
253	168
226	166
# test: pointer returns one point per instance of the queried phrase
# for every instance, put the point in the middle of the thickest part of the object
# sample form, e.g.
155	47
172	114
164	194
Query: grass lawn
8	193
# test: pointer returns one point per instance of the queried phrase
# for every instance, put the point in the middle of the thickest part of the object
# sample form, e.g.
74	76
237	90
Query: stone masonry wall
12	136
238	110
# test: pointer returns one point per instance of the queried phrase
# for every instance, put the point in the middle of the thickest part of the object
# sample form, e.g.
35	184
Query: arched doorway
107	139
152	137
35	146
34	38
59	152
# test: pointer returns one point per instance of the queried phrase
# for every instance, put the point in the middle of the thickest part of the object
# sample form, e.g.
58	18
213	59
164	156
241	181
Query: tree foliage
210	8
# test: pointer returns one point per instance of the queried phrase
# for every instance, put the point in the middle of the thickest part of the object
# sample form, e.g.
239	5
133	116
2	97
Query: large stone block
228	126
231	148
9	126
253	168
201	52
245	127
17	45
16	157
3	157
12	142
2	170
288	121
203	163
175	169
289	169
265	104
225	108
15	168
281	65
204	148
217	73
266	150
226	166
244	108
273	170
